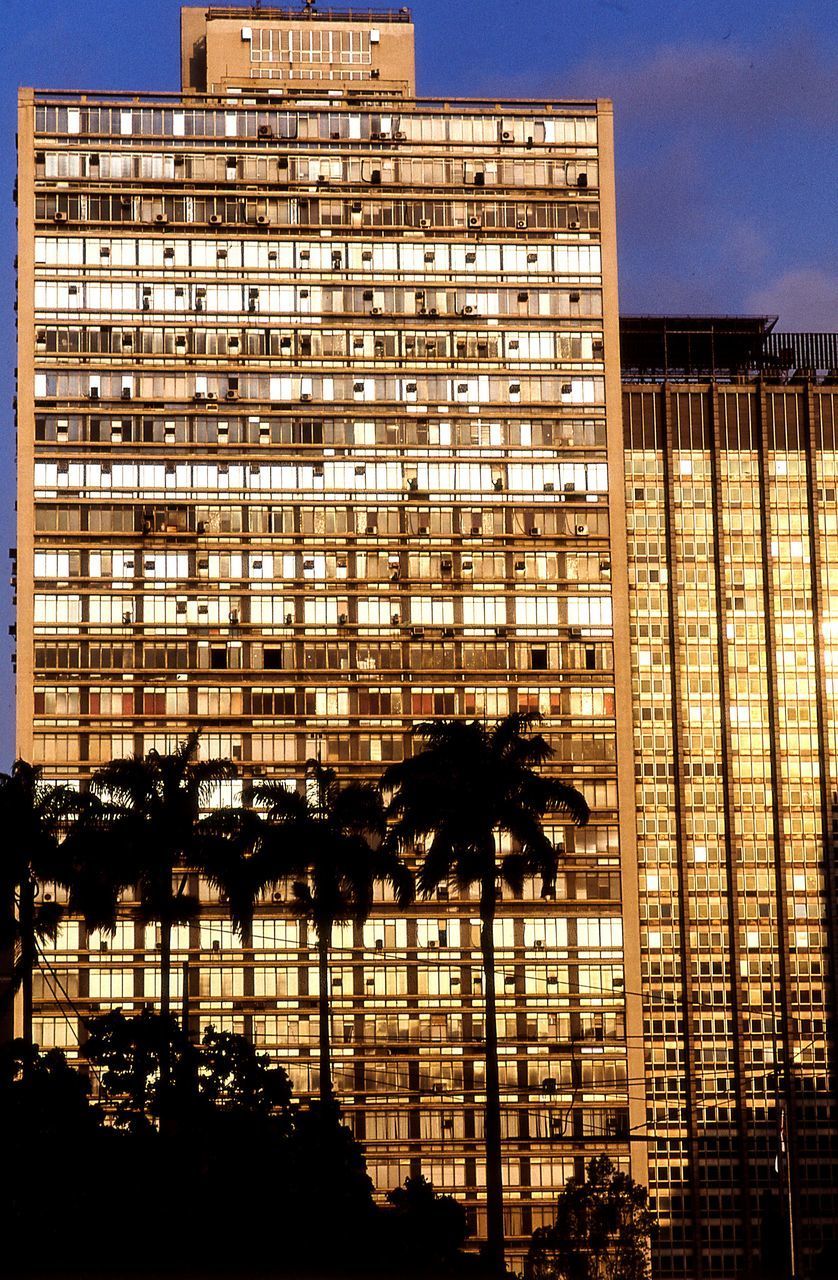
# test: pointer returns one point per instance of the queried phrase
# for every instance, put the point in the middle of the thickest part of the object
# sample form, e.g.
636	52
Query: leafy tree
602	1229
33	816
226	1074
470	784
333	835
429	1229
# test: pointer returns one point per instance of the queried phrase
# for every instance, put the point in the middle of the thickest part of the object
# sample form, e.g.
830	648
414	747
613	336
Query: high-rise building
732	476
319	435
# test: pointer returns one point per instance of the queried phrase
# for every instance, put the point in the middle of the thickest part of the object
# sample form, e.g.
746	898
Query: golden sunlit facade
733	555
319	436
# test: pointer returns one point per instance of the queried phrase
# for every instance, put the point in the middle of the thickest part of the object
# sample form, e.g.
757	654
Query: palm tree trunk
165	1004
323	940
495	1244
26	920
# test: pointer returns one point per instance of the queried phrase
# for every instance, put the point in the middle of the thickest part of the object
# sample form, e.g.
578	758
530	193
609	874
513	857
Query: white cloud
805	299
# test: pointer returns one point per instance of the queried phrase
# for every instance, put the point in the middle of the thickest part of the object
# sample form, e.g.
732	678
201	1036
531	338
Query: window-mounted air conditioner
474	221
581	530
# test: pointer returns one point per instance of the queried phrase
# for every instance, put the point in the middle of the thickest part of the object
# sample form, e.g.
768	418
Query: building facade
319	435
731	467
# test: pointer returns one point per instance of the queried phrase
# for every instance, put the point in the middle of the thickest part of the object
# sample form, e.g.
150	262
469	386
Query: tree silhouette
33	816
470	783
429	1229
332	835
152	805
602	1229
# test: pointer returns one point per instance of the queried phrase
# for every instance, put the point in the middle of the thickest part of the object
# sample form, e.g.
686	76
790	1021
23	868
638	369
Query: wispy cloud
721	84
805	299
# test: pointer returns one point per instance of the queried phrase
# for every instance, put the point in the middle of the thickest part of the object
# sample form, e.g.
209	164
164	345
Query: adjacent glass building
319	435
731	483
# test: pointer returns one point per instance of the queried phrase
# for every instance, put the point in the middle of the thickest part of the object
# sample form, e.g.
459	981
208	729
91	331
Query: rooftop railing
310	14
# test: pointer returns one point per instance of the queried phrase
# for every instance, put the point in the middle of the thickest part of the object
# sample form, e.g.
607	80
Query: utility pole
785	1181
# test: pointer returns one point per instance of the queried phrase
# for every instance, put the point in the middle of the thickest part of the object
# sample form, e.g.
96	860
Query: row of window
258	297
358	656
289	750
570	389
327	519
418	125
373	257
573	482
345	345
278	700
590	613
311	565
230	211
373	168
443	431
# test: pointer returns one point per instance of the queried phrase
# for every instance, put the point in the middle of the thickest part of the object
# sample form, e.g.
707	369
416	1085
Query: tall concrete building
319	435
731	437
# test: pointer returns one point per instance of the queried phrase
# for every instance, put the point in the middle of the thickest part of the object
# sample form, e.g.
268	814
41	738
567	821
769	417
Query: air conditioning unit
215	219
400	137
376	311
160	218
59	217
574	224
305	396
200	395
264	131
521	224
474	221
507	136
534	530
424	223
582	180
581	530
262	220
93	393
232	395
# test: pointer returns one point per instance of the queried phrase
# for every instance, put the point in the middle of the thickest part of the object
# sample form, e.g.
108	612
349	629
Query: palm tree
152	805
332	836
470	783
33	816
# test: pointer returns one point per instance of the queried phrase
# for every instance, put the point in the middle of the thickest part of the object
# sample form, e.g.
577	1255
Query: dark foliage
602	1230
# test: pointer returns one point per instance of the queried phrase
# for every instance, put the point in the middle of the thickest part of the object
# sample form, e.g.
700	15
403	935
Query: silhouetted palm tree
33	815
453	798
151	806
332	836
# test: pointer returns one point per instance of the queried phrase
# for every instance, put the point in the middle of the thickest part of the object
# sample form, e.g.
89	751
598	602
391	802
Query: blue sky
726	124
